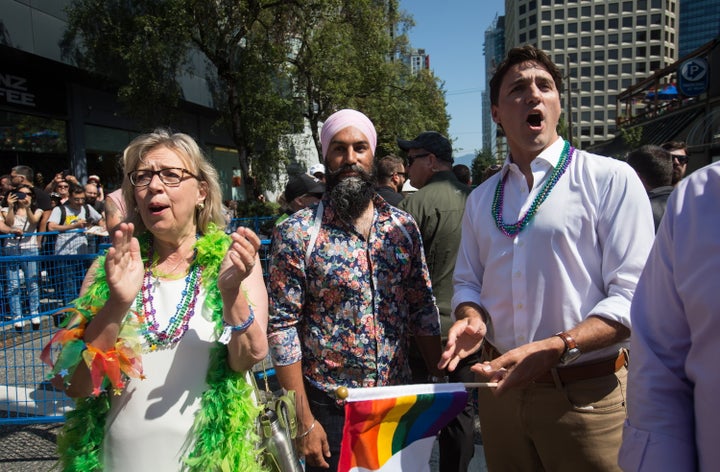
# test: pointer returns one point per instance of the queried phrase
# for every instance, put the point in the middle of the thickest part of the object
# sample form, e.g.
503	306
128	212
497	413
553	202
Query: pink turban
342	119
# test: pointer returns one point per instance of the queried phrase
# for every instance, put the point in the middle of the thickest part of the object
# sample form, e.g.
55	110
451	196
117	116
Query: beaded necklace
179	322
512	230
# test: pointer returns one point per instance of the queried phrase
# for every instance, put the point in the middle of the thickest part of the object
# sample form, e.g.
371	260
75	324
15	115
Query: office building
417	60
56	116
494	50
603	47
699	24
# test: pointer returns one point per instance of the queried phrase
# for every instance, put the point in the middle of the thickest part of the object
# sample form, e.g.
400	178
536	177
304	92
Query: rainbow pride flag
393	428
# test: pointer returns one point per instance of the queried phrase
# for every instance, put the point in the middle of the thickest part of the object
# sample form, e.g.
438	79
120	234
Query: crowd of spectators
42	219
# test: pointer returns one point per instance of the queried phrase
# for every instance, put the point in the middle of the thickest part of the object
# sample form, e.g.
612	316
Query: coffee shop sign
14	91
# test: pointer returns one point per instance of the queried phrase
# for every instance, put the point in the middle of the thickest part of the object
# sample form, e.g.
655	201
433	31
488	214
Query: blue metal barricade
36	285
33	289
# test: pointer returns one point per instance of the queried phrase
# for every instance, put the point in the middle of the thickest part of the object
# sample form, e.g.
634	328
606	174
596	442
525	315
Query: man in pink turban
348	286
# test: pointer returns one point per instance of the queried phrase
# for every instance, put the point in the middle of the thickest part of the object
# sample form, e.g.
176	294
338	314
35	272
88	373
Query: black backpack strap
63	214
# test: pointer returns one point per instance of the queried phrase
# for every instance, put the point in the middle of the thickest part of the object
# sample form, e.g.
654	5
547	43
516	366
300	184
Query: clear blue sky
452	32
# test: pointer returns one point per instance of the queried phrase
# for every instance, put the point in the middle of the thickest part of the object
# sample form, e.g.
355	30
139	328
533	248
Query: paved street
28	448
31	447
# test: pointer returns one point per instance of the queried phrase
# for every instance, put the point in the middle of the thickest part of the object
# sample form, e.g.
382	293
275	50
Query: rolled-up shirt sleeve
286	288
626	233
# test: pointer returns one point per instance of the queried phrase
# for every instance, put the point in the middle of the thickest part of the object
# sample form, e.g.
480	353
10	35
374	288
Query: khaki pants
573	427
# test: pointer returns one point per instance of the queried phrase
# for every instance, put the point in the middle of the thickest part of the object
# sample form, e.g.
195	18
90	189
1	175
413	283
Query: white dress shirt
581	254
674	379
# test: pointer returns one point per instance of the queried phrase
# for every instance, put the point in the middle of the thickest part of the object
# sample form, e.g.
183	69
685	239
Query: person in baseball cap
431	142
301	191
438	207
302	188
94	179
428	153
317	171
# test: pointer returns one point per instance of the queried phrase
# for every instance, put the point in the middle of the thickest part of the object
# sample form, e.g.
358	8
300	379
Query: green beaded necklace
179	322
512	230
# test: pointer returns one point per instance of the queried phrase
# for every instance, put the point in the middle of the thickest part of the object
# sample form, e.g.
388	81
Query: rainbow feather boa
225	439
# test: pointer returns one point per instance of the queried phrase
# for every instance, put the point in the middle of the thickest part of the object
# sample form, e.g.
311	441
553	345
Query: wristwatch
435	379
572	351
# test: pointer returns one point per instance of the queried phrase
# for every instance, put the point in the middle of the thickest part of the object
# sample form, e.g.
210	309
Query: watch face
570	355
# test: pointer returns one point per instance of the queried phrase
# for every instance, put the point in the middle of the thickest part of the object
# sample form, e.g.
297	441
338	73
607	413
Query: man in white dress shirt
552	248
674	381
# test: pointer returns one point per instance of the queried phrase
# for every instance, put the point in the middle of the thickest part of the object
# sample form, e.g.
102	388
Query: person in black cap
438	208
301	191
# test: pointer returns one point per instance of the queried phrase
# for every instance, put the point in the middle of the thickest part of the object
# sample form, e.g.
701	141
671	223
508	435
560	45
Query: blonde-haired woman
159	344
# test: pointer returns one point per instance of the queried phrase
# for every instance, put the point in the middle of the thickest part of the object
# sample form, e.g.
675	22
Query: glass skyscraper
699	23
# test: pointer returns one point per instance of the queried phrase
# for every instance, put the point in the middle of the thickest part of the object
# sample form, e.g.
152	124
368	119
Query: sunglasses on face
411	159
681	158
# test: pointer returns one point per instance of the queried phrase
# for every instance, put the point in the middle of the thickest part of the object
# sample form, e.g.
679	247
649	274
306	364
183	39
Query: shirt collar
551	155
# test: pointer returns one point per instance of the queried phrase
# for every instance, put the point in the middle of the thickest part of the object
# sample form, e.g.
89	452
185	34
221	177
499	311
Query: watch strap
568	340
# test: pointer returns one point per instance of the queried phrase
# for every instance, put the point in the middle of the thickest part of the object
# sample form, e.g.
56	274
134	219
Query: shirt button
519	306
518	274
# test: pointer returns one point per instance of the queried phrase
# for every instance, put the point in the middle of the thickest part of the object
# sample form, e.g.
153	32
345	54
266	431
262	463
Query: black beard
350	195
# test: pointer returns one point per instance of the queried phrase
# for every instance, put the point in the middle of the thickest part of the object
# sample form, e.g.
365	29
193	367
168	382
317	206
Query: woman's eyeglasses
172	176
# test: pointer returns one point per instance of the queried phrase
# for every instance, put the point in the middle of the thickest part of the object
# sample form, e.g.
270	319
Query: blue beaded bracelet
242	327
228	329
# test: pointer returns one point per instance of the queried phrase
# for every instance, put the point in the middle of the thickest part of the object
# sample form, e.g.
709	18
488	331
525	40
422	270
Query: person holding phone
22	216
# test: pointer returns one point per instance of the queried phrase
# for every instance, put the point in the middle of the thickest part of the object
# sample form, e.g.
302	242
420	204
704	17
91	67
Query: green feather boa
225	436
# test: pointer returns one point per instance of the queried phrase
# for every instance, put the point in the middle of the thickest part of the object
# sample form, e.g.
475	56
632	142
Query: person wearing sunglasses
62	188
22	216
391	178
438	208
24	175
678	151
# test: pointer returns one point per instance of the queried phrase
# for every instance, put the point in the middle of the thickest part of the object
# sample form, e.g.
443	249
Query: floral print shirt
348	314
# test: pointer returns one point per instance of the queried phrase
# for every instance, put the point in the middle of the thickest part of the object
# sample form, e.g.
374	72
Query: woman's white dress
149	426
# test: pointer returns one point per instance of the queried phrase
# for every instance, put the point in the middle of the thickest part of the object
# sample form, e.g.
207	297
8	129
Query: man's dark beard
350	195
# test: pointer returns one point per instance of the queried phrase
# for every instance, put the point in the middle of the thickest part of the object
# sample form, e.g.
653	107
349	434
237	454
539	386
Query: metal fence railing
33	288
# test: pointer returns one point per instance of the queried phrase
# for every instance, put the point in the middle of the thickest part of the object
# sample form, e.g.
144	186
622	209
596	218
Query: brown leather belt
587	371
572	373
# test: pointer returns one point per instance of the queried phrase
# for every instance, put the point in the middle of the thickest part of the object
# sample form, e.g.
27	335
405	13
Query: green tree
139	46
346	57
146	45
270	64
483	159
632	136
247	44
